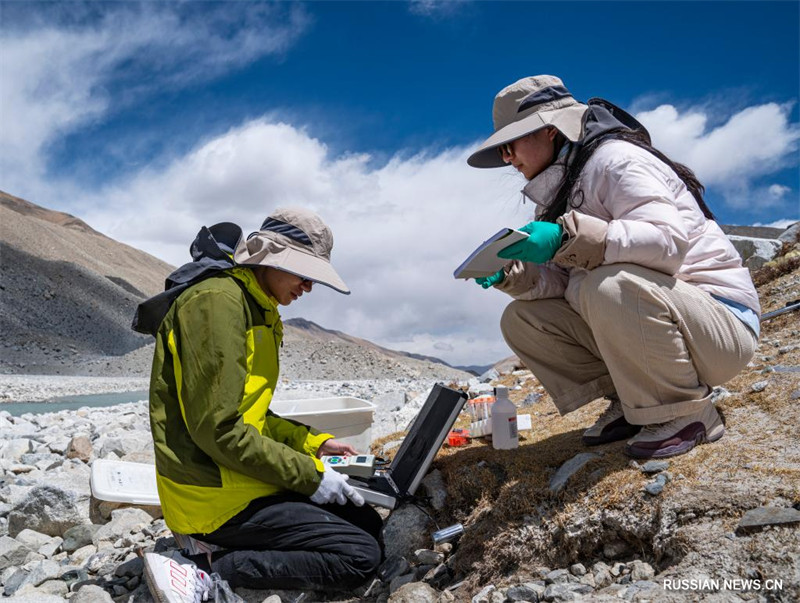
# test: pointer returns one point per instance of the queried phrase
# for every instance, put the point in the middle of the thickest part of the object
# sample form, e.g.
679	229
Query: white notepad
484	261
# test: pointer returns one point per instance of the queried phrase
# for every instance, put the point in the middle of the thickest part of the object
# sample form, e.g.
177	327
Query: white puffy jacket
636	210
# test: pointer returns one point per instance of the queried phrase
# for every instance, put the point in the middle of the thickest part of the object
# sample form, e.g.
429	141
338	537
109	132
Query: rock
577	569
655	488
498	596
655	466
755	519
12	552
51	547
414	592
439	576
602	575
428	557
14	581
91	593
755	252
131	568
568	469
559	576
435	488
531	399
405	531
123	522
791	234
80	447
525	592
392	567
41	572
485	594
79	536
399	581
32	539
615	549
46	509
13	450
81	555
566	592
588	579
641	570
759	386
489	376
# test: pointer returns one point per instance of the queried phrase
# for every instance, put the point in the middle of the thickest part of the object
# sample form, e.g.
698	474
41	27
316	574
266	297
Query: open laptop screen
425	437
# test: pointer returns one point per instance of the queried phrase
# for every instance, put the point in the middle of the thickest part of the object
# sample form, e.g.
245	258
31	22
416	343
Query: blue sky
149	120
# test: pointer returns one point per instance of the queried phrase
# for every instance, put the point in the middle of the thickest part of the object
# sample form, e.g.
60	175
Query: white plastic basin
348	419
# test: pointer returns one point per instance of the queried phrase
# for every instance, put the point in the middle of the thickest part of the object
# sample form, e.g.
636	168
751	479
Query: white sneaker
173	582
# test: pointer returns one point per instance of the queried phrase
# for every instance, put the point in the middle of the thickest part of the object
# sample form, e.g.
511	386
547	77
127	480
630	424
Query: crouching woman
626	287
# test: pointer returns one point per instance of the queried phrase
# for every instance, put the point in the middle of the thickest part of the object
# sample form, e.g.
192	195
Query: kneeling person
230	472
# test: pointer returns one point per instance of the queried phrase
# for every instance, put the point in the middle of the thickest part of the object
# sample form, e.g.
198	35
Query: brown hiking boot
611	426
677	436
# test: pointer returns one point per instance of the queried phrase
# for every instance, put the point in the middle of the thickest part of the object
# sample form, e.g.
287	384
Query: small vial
447	534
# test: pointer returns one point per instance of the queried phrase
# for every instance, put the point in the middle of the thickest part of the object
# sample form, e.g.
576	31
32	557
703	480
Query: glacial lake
74	402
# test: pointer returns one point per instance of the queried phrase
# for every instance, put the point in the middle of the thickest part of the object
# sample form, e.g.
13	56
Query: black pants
286	541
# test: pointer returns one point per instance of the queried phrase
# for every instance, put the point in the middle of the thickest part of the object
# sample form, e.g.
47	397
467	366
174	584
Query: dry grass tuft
787	262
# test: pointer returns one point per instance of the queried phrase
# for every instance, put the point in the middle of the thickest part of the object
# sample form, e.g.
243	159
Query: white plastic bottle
504	421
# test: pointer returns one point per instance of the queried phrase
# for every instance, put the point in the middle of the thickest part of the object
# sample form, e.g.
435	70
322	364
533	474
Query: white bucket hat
526	106
294	240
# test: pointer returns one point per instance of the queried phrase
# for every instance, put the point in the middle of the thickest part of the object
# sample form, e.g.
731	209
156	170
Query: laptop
388	487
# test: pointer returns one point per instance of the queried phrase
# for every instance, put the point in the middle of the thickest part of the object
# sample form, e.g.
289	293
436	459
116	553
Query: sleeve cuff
312	444
586	246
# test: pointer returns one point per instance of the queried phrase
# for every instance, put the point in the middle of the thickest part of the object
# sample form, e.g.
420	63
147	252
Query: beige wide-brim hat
294	240
524	107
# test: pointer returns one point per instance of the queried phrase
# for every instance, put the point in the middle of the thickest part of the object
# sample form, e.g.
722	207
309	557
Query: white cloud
779	223
56	76
436	9
753	143
779	191
400	229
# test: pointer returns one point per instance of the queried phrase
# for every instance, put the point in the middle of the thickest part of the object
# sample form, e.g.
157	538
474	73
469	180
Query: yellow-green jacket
217	444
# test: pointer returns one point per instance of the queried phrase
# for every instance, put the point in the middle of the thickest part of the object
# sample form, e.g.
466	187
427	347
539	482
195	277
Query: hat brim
297	262
567	120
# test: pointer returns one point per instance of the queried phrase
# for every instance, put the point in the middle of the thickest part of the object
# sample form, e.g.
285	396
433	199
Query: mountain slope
300	327
68	294
56	236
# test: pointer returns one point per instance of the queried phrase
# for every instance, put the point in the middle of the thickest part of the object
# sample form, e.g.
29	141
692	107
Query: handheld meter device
361	465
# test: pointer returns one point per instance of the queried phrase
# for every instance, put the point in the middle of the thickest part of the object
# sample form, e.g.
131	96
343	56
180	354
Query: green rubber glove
544	239
489	281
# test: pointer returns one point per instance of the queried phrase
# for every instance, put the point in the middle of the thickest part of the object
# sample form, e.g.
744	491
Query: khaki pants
655	341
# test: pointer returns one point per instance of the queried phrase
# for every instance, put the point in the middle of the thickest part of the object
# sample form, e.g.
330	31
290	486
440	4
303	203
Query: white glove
334	488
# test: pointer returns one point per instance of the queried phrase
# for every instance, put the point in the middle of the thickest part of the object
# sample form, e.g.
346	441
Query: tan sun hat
525	106
294	240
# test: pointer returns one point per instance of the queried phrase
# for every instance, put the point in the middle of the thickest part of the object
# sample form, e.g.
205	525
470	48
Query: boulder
79	536
406	530
46	509
791	234
12	552
414	592
80	447
755	252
